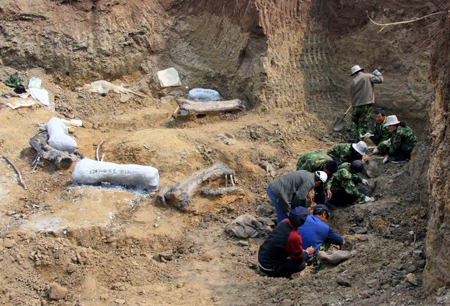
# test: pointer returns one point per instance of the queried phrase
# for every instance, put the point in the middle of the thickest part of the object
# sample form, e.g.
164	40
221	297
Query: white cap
322	176
391	120
360	147
356	69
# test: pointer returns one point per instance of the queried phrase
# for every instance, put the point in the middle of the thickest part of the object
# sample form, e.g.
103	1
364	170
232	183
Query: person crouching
282	242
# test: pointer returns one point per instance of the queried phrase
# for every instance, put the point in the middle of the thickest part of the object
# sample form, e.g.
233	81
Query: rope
384	25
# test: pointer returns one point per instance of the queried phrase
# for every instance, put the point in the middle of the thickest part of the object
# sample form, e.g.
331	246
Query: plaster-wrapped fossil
89	171
59	138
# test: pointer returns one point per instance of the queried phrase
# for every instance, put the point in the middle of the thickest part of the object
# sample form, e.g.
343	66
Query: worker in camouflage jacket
348	152
343	185
380	132
317	161
402	142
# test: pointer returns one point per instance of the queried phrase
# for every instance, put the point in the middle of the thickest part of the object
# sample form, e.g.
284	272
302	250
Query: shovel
339	124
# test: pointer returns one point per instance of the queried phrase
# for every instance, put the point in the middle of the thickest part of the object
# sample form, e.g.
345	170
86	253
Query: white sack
200	94
58	135
40	95
89	171
168	77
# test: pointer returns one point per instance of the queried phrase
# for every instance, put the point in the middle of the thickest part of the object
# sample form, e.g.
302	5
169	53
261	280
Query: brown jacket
361	88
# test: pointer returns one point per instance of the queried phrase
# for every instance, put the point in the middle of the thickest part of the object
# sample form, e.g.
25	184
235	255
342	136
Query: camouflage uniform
343	152
402	135
344	180
313	161
360	120
380	133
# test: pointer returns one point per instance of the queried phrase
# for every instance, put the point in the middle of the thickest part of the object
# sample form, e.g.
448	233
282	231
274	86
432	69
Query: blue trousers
281	215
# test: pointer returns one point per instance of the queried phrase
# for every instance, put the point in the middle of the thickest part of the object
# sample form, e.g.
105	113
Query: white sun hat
360	147
356	69
391	120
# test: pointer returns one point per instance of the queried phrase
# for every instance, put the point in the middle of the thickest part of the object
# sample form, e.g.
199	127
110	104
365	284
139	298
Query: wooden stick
103	156
98	148
35	163
232	179
79	154
137	94
18	172
383	25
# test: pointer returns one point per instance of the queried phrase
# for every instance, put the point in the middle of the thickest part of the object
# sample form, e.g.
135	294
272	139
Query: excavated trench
290	60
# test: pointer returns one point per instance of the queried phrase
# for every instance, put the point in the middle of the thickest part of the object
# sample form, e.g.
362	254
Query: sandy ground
103	244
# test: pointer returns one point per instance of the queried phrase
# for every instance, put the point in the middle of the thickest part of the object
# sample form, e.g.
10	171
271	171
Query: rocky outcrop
438	244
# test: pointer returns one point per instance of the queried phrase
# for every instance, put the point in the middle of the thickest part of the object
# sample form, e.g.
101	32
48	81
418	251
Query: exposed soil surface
65	244
109	245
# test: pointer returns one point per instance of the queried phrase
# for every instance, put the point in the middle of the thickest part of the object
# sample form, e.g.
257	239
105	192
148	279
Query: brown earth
290	61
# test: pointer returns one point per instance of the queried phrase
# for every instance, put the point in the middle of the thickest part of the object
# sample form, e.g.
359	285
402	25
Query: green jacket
313	161
380	133
402	134
344	153
343	180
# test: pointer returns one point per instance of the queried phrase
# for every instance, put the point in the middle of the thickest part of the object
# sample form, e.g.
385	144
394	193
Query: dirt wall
245	49
400	52
438	245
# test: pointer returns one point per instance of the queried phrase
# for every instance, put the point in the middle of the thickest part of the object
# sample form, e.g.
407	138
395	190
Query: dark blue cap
298	216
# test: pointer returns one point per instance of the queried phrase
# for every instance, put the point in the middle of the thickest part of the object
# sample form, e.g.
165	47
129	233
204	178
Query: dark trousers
342	198
319	197
403	151
286	268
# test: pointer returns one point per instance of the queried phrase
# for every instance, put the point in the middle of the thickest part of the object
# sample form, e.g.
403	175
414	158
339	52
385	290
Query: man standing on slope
363	97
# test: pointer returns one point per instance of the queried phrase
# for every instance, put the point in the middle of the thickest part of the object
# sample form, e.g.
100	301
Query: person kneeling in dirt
343	185
317	234
402	142
282	242
380	131
315	161
291	190
348	152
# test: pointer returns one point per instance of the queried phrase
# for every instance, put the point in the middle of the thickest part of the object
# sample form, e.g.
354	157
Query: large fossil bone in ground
89	171
335	257
59	138
60	159
190	108
182	193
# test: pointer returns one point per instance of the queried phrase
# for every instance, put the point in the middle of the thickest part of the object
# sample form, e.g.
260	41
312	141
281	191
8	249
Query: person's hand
368	199
310	250
329	194
386	159
313	204
389	142
366	135
343	242
365	182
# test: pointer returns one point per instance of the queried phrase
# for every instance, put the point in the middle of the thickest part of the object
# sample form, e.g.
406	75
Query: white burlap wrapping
58	136
200	94
89	171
